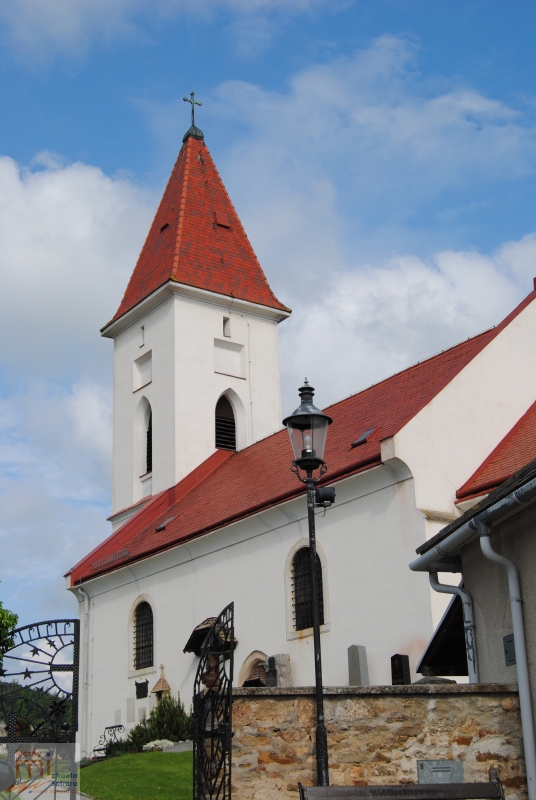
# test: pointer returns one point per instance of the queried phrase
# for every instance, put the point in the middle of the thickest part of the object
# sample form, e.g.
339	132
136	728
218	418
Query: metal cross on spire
194	103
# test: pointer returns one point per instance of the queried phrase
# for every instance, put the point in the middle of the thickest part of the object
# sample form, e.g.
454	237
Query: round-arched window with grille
143	636
302	600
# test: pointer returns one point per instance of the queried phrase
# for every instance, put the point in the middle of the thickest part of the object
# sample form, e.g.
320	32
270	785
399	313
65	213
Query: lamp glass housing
308	435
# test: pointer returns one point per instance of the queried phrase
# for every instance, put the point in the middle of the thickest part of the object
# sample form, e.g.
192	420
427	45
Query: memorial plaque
440	771
400	674
509	650
271	672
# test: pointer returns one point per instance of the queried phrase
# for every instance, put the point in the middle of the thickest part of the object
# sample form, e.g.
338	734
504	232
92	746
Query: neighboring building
510	465
205	507
495	544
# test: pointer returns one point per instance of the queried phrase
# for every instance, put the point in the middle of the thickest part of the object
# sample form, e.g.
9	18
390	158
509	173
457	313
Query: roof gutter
498	511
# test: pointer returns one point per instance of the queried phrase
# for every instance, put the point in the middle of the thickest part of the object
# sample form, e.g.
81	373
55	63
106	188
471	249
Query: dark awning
198	636
445	653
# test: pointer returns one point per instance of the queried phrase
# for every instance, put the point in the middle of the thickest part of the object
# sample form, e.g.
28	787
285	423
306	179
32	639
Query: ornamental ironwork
39	683
110	736
212	707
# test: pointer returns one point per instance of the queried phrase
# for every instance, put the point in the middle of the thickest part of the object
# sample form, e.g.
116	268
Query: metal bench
410	791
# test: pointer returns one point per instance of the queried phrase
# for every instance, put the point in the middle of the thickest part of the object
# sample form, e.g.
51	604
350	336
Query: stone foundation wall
375	735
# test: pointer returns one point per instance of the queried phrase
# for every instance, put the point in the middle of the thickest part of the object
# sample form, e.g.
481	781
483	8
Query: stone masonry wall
375	735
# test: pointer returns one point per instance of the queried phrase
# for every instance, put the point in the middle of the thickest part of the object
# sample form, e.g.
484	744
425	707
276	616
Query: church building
205	507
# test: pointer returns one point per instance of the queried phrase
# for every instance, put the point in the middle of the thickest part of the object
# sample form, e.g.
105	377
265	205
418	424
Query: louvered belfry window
225	425
149	450
143	636
302	604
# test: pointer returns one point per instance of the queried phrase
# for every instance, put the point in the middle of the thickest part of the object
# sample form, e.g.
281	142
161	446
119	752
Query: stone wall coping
419	688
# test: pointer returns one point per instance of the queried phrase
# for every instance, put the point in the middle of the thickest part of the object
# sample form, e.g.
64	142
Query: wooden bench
410	791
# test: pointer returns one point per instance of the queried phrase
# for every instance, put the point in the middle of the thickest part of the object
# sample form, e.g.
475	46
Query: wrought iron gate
39	686
212	707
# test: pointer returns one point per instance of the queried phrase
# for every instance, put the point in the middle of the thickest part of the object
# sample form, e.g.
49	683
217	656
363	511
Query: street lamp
308	428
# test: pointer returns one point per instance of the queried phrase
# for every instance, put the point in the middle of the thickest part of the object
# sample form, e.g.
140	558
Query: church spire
196	238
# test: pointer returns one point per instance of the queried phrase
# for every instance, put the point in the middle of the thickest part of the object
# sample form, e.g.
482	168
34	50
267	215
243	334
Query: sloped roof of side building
514	451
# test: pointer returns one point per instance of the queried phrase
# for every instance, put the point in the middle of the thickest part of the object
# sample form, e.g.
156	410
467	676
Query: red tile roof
231	486
516	450
197	238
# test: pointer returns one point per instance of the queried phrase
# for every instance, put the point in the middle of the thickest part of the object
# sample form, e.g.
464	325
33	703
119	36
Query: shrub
8	623
118	748
168	720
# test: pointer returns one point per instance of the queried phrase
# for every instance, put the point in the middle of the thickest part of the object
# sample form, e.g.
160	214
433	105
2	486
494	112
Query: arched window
149	445
143	636
225	425
302	604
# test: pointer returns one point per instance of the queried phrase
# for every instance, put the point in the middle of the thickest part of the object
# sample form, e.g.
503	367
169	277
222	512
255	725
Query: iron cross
194	103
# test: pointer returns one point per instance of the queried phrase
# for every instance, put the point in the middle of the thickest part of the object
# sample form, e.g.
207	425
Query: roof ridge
412	366
182	206
239	221
145	241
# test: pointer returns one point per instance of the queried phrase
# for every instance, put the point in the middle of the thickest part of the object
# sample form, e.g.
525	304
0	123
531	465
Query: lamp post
308	428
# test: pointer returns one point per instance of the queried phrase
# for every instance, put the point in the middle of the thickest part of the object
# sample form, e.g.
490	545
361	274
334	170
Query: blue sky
381	155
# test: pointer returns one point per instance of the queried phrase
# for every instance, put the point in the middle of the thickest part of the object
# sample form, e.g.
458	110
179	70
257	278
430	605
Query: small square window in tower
225	425
226	326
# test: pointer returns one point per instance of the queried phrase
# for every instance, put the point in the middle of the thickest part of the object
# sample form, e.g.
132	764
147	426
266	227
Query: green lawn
143	776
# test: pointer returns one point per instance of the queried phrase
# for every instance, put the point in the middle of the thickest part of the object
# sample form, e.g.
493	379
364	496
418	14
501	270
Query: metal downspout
85	709
468	622
523	682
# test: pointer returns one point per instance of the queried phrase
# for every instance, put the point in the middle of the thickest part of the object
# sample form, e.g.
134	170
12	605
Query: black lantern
308	428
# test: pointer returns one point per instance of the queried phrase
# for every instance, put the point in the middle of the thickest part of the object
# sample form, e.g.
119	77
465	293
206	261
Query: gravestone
271	671
278	670
357	666
400	674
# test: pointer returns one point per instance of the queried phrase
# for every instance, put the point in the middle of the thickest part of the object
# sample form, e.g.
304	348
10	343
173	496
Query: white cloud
69	237
377	320
41	28
54	490
66	233
356	153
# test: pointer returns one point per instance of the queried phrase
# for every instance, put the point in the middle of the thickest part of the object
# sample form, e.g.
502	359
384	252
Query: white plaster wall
488	584
185	388
445	443
366	539
160	340
256	397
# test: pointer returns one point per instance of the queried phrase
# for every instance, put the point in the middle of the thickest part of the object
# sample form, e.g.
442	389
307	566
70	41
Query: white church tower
196	365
